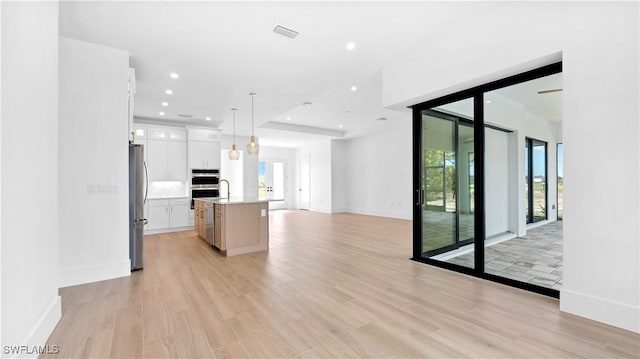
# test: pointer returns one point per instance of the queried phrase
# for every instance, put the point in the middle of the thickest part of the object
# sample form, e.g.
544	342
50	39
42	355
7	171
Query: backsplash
164	189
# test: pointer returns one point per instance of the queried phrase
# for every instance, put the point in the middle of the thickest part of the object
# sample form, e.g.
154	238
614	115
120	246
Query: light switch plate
263	213
91	189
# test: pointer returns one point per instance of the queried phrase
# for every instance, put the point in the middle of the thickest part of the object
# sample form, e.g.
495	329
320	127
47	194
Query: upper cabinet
204	148
167	154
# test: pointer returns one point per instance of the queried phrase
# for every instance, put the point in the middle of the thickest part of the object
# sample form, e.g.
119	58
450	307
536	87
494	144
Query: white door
305	180
272	182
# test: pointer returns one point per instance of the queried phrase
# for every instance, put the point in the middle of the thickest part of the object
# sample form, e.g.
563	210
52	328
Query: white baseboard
400	214
89	274
42	329
600	309
168	230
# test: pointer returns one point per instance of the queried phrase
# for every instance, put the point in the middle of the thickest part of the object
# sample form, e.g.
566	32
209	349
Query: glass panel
278	180
448	183
465	180
517	185
526	180
539	163
262	179
560	162
438	220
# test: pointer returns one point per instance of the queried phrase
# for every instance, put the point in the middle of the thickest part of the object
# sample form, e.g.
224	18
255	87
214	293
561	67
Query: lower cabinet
168	213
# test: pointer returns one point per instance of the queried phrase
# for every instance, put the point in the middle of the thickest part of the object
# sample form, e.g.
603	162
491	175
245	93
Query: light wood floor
330	286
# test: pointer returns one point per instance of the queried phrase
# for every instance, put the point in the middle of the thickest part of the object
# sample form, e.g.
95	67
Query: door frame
269	181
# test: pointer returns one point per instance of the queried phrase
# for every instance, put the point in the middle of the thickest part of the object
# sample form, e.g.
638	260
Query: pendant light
234	154
252	146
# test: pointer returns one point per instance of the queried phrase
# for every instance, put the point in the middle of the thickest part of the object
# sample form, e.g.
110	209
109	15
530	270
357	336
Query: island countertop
217	200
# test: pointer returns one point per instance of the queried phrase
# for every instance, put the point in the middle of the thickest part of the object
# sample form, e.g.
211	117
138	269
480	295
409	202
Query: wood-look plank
330	286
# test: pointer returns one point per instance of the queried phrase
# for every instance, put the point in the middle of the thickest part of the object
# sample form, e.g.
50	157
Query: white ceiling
224	50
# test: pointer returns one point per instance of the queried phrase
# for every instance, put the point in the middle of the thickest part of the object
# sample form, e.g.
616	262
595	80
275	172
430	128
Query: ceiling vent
185	116
285	32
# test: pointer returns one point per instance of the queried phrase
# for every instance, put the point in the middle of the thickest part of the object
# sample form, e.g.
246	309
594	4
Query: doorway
470	191
272	182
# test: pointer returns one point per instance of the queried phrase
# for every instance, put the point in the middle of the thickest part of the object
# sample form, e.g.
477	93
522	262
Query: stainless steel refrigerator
138	187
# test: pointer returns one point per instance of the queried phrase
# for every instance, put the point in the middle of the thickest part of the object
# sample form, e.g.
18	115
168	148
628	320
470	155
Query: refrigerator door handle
146	188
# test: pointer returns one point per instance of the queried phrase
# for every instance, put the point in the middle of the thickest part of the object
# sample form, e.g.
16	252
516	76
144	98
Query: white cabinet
179	212
168	213
176	160
204	148
204	154
158	214
166	154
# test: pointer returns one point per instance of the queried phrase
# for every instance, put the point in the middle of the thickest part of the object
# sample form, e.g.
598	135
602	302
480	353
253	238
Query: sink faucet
228	188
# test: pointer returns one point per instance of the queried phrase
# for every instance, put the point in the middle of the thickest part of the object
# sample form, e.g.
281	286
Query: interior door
272	182
304	191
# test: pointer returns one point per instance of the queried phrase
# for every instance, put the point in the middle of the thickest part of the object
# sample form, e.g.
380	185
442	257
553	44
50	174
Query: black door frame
530	179
477	93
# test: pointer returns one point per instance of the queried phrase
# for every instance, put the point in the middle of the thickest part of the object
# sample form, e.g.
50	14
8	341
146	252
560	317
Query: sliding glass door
447	183
470	191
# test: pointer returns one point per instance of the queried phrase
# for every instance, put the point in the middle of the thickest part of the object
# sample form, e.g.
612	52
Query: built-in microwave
204	183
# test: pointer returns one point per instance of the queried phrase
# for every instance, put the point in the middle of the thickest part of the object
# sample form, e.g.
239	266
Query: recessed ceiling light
488	101
208	118
161	113
350	45
169	92
354	88
174	75
288	118
165	104
340	126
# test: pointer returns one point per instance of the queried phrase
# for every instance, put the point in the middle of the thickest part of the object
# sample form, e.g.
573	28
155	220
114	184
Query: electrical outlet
263	212
91	189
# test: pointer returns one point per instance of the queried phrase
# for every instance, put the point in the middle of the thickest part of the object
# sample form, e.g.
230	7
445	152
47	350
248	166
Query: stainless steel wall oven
204	183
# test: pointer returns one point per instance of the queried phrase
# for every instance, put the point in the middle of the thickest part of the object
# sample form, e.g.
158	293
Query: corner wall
377	173
94	163
29	169
599	45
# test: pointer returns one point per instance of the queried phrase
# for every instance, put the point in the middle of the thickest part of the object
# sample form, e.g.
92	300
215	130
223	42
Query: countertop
232	200
168	197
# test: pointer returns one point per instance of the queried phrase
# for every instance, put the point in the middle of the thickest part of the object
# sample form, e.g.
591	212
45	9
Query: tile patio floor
535	258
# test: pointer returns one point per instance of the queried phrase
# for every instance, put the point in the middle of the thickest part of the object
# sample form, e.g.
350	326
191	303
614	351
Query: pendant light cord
234	125
253	94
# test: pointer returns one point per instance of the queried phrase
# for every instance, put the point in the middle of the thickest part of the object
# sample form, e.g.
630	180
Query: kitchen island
235	226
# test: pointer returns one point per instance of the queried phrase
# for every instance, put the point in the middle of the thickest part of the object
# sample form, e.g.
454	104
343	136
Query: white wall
497	182
29	168
93	150
288	155
320	182
378	173
599	44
